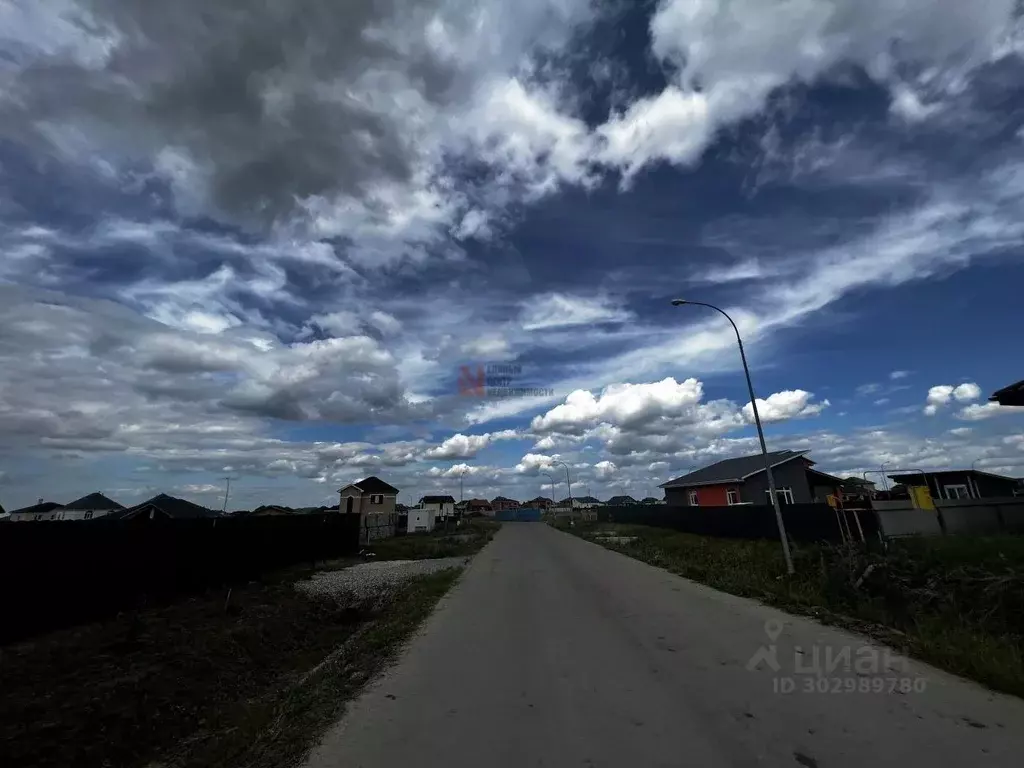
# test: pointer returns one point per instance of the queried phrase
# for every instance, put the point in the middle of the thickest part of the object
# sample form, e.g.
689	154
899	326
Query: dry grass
193	684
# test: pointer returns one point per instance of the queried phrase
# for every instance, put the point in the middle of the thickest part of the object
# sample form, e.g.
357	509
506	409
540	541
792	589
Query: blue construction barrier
522	515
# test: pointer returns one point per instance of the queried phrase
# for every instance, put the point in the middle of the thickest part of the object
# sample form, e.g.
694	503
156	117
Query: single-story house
652	500
743	480
163	507
41	510
443	506
88	507
369	496
421	519
856	488
541	502
960	483
621	501
501	503
1011	395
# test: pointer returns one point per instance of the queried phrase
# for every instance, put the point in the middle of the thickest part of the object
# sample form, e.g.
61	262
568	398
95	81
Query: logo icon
768	654
472	383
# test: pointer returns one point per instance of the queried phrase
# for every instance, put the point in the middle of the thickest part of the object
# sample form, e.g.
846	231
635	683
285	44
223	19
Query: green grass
467	539
955	601
191	684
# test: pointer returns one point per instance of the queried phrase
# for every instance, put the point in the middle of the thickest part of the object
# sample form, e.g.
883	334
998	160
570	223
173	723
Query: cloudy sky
260	240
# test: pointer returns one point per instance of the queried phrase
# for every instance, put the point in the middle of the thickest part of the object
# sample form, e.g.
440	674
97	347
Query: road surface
552	651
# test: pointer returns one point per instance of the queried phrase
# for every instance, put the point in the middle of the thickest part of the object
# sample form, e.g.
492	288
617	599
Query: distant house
374	501
478	507
502	503
743	480
621	501
857	488
960	483
163	507
541	502
370	495
271	510
443	506
88	507
651	500
41	510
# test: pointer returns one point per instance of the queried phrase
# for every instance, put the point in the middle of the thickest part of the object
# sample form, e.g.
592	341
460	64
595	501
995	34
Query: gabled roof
170	506
903	477
1011	395
587	500
373	485
437	500
502	498
38	509
858	481
93	501
732	470
478	503
544	499
621	500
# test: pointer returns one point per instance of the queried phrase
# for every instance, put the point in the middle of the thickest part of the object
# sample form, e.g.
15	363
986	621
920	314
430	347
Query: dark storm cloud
276	102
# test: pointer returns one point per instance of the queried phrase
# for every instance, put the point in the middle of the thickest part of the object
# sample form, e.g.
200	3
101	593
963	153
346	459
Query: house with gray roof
743	480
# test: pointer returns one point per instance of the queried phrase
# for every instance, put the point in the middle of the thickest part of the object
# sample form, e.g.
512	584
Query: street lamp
760	432
568	484
552	479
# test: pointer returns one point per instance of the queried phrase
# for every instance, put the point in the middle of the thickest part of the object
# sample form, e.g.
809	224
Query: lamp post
552	479
760	432
568	484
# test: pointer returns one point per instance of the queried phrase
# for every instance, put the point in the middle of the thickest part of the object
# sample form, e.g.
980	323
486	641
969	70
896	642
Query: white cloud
967	392
461	446
895	375
622	405
943	394
559	310
781	406
605	469
938	396
979	411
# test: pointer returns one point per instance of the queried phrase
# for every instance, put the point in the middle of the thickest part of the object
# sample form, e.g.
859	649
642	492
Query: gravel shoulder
371	580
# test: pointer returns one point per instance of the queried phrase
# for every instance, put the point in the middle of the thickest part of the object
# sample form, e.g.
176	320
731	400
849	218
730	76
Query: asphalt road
552	651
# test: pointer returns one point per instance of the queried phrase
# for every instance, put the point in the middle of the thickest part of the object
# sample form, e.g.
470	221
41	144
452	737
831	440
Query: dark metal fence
57	574
804	522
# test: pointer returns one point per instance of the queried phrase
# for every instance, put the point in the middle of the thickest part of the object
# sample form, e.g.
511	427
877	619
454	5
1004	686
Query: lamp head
678	302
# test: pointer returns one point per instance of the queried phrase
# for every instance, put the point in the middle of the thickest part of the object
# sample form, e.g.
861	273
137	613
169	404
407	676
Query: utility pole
227	492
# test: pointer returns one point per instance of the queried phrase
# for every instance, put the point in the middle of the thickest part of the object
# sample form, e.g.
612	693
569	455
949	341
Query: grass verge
956	602
192	684
468	539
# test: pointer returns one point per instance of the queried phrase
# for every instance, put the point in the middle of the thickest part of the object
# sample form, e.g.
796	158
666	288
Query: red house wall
712	495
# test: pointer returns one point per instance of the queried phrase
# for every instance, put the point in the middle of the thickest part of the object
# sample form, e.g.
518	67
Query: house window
377	498
732	496
785	495
88	516
957	492
693	499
